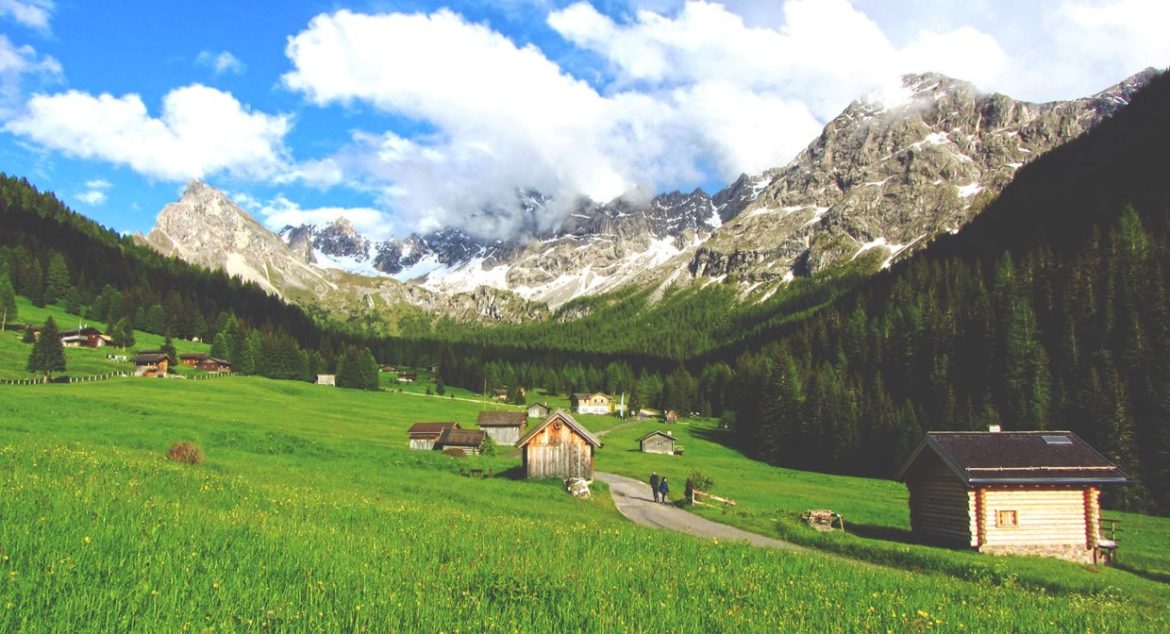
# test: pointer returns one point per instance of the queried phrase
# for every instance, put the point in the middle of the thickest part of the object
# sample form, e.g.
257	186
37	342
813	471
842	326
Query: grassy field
310	514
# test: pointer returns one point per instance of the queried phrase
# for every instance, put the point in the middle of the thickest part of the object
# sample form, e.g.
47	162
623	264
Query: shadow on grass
883	533
1160	577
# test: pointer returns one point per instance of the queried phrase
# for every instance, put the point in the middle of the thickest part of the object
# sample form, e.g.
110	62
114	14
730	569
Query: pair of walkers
660	488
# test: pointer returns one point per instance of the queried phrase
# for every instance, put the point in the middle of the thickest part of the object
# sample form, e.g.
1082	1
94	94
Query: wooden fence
103	377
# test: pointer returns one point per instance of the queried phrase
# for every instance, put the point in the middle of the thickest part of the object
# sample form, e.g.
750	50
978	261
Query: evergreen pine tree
47	355
7	298
57	281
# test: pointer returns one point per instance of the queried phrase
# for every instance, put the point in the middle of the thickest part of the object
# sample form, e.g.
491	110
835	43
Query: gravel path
634	500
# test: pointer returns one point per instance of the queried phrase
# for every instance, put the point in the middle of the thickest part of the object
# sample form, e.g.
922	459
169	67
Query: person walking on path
664	489
654	485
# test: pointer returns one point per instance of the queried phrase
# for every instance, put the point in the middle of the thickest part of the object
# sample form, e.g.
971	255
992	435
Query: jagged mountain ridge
205	227
884	176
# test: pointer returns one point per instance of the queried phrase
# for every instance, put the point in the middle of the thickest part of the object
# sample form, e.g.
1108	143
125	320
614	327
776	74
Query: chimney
993	428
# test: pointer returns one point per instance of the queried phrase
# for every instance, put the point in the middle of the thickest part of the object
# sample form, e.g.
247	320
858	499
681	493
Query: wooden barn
657	442
539	410
504	427
152	364
671	416
212	364
559	447
1026	493
470	441
88	337
192	360
424	435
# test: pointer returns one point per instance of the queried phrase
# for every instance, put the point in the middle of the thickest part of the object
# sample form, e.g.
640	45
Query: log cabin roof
88	331
198	356
1021	457
503	419
657	433
454	437
568	420
148	358
584	395
430	429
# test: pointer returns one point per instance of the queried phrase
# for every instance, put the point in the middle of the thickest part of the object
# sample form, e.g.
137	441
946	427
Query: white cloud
221	62
31	13
16	64
281	212
95	192
200	131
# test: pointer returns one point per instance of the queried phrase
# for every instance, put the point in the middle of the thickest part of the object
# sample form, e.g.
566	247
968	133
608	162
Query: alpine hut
469	441
559	447
657	442
1028	493
539	410
423	435
152	364
504	427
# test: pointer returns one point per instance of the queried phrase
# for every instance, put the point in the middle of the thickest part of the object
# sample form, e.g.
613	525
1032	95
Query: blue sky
408	116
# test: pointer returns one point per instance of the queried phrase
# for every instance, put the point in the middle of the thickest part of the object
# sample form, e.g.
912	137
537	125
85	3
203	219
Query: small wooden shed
470	441
671	416
1028	493
559	447
423	435
504	427
539	410
657	442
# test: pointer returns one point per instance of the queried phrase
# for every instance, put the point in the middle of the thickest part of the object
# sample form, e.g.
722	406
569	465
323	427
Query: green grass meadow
311	514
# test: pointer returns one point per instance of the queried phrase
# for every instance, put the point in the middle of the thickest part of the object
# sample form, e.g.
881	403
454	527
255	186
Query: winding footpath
634	500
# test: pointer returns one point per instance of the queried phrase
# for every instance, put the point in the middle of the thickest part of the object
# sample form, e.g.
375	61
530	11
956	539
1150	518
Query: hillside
324	520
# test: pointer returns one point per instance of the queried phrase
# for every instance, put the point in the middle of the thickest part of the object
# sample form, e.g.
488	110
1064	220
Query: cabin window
1006	519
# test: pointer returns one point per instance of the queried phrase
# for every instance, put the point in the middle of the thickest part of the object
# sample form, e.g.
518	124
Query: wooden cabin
152	364
212	364
327	379
657	442
192	360
423	436
500	394
470	441
671	416
88	337
504	427
406	377
1026	493
559	447
592	403
539	410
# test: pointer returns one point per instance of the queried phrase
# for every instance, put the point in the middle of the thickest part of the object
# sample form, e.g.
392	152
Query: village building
1027	493
657	442
559	447
212	364
671	416
152	364
469	441
500	394
539	410
423	436
407	377
327	379
595	403
192	360
88	337
504	427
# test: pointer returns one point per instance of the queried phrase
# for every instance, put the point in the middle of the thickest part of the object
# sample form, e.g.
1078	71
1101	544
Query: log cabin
87	337
469	441
424	435
212	364
559	447
152	364
192	359
1024	493
657	442
539	410
504	427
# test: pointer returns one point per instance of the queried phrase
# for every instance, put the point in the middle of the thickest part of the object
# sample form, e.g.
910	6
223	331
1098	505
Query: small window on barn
1056	440
1006	519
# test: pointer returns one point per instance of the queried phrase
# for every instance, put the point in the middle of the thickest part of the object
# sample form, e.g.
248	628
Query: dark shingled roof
430	429
1021	457
657	433
198	356
503	419
462	438
144	358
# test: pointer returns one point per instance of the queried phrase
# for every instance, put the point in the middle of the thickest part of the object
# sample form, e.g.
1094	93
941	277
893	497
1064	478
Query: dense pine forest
1049	311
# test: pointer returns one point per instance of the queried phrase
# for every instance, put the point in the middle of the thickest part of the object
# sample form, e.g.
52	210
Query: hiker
664	489
654	485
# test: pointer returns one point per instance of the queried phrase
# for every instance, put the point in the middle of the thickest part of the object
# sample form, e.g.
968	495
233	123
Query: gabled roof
144	358
568	420
581	395
430	428
540	404
198	356
453	437
503	419
1021	457
87	331
657	433
216	361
